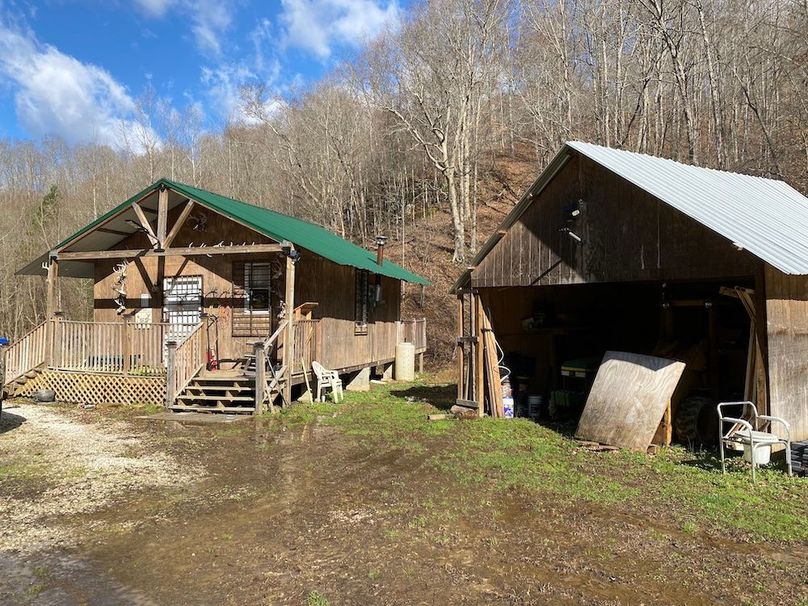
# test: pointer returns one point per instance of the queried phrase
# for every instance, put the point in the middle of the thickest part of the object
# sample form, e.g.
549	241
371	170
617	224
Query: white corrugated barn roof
768	218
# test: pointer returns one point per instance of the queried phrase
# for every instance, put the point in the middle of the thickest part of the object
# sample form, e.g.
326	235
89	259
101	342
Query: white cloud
57	95
155	8
317	25
210	19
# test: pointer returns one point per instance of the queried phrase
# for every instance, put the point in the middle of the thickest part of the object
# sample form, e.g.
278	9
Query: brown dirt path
287	517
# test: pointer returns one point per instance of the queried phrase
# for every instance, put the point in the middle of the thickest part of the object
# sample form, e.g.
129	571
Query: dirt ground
100	507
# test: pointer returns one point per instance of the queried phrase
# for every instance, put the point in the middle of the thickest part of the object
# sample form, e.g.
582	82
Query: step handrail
34	342
274	336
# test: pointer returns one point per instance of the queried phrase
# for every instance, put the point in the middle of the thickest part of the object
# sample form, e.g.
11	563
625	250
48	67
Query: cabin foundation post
260	376
360	381
387	373
289	339
171	354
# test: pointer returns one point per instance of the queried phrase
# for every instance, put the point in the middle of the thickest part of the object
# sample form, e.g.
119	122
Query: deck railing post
56	338
126	346
171	371
260	376
3	349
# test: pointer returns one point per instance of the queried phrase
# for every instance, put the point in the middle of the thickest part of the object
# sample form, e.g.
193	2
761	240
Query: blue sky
80	69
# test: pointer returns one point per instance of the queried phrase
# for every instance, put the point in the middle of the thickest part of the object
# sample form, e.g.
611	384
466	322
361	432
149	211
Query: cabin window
362	295
252	304
256	287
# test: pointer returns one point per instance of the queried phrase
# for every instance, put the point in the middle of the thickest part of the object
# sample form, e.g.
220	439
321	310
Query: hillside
429	250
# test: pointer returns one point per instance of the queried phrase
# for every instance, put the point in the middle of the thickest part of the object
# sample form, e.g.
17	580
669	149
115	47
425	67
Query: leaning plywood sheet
628	399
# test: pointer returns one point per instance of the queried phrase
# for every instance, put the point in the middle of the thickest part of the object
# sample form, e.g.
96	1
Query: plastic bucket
763	453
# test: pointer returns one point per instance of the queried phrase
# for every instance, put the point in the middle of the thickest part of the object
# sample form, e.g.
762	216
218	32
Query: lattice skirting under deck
86	388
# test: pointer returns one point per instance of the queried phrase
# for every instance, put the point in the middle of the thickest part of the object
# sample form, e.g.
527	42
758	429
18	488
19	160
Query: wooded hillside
429	134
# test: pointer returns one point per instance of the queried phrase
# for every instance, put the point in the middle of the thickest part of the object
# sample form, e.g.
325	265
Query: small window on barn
256	287
361	301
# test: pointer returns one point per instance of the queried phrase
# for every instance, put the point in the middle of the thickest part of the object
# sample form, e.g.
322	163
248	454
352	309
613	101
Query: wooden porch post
162	216
289	339
171	353
260	376
53	277
56	336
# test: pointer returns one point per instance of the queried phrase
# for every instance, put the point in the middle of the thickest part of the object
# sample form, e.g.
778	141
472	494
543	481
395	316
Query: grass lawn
517	454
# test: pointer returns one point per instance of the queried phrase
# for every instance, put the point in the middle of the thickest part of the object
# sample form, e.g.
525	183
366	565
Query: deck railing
112	347
27	353
413	331
189	357
307	344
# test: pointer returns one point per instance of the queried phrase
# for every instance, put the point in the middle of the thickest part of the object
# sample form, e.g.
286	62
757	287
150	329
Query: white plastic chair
327	379
750	433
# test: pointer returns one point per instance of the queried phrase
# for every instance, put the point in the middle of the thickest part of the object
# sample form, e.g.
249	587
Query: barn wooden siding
627	235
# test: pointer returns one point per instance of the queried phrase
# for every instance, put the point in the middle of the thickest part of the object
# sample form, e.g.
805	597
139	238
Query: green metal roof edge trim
277	226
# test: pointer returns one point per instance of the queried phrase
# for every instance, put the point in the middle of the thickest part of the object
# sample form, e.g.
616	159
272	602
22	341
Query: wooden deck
157	363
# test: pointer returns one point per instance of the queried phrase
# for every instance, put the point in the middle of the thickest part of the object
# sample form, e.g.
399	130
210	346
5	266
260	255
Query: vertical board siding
627	235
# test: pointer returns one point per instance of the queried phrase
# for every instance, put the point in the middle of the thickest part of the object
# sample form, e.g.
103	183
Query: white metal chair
327	379
750	433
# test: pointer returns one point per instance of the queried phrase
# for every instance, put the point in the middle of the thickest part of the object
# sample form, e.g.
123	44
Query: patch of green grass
502	455
151	408
315	598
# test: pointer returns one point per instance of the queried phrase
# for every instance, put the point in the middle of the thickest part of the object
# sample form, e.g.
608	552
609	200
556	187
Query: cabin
205	303
610	250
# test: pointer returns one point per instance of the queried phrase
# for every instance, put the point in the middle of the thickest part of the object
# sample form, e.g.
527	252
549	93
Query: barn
209	304
610	250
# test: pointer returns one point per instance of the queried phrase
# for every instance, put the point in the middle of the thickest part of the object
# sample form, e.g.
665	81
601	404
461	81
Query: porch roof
270	223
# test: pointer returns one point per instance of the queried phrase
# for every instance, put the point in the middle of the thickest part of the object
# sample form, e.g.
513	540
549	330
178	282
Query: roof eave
547	175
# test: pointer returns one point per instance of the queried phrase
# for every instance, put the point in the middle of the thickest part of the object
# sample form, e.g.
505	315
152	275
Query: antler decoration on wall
119	286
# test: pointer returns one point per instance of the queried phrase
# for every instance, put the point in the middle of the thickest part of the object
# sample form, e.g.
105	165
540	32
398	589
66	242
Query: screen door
182	304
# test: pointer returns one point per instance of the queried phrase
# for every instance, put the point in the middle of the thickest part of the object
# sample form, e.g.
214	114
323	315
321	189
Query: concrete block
359	381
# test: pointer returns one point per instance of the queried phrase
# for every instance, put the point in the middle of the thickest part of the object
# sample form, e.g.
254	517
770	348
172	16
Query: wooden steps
224	391
14	387
213	391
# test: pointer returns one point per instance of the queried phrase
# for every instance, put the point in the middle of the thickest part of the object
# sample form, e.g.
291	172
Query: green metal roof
275	225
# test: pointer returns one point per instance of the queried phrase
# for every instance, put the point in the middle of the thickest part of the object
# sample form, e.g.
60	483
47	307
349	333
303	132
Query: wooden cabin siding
787	328
627	235
220	297
317	279
333	287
